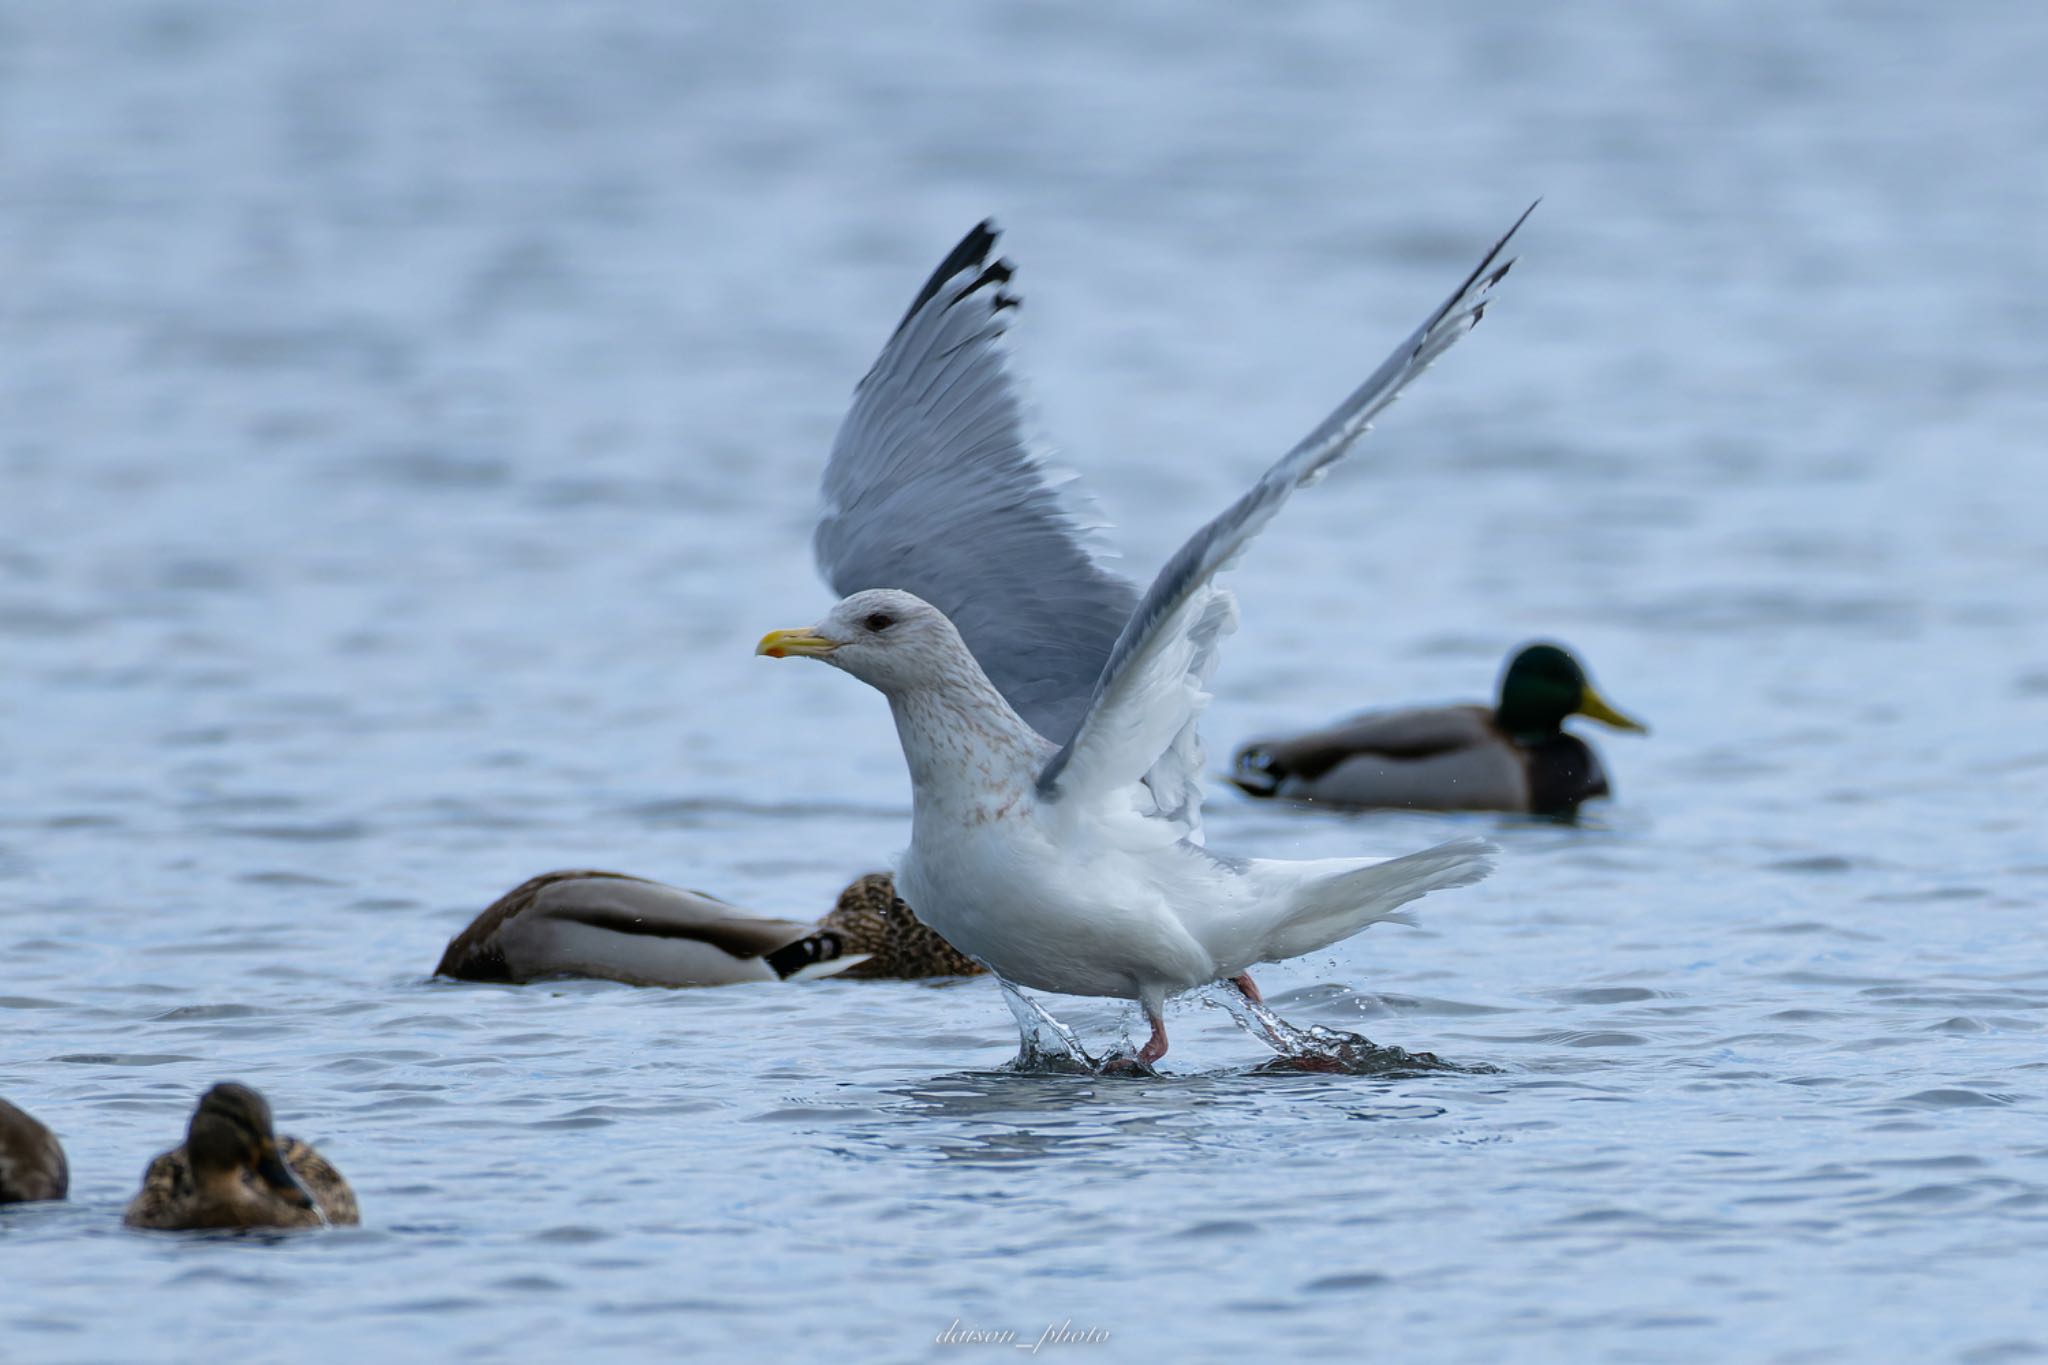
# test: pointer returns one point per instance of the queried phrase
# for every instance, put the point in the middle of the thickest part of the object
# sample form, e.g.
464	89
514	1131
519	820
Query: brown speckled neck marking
872	918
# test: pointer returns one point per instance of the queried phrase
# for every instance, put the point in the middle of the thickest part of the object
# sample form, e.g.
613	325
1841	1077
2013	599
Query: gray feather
933	488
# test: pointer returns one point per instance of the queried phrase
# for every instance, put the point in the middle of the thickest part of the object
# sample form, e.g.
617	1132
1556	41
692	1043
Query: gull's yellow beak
1593	706
780	644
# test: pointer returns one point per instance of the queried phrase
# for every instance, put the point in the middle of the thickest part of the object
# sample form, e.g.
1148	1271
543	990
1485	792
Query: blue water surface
411	415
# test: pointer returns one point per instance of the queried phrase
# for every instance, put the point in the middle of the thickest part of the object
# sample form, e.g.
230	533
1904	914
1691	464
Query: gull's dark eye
879	622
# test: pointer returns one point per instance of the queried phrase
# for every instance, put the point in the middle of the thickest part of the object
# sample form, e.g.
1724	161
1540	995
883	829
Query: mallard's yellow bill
781	644
1593	706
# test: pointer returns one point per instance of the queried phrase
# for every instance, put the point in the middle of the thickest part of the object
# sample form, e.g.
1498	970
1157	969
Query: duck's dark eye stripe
879	622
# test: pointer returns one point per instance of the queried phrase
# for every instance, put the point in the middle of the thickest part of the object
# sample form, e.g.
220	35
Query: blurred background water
412	415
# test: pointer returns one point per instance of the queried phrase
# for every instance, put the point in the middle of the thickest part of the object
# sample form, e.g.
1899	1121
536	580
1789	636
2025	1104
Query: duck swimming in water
1514	756
620	928
32	1165
233	1171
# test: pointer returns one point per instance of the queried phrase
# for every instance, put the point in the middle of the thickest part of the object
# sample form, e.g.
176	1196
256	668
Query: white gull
1071	865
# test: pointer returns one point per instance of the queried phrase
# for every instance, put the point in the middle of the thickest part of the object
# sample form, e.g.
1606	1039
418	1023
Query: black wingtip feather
1479	310
1485	275
972	251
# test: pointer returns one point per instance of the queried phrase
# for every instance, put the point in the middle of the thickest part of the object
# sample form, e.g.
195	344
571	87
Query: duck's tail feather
1330	908
829	967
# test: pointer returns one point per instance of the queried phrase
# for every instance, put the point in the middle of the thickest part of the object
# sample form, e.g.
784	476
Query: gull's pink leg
1243	981
1155	1047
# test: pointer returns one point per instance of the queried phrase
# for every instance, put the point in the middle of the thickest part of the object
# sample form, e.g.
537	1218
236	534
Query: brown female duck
620	928
32	1165
233	1171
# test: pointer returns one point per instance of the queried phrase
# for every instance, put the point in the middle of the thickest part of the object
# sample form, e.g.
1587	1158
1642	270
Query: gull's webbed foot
1124	1064
1140	1064
1155	1046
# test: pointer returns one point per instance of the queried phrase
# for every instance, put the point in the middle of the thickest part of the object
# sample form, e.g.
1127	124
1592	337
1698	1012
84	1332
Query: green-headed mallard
620	928
1514	756
234	1172
32	1163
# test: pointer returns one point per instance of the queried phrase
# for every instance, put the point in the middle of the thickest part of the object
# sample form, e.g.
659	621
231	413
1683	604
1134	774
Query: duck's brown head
231	1134
871	918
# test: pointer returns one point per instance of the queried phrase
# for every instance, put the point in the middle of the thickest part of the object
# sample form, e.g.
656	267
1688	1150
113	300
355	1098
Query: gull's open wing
933	488
1139	724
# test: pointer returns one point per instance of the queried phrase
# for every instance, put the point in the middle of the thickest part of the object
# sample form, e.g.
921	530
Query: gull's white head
887	638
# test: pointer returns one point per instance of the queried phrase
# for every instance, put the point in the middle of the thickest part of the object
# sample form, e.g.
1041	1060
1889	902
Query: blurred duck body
1512	756
619	928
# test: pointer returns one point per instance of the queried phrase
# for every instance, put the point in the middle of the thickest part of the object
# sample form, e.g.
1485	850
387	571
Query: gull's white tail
1331	907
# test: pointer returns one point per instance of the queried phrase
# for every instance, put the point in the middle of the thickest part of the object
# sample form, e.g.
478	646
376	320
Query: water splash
1047	1047
1316	1048
1044	1044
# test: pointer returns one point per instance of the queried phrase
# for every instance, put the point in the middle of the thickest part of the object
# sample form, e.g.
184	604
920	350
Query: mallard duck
32	1165
1513	757
234	1172
621	928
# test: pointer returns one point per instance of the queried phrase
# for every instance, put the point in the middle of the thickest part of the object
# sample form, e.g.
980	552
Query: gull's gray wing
1144	705
933	488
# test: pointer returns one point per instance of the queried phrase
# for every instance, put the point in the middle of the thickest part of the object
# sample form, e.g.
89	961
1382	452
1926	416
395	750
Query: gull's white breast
1087	916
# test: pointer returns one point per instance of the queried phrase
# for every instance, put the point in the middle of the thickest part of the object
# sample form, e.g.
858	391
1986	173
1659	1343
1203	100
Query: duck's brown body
32	1165
233	1171
620	928
173	1199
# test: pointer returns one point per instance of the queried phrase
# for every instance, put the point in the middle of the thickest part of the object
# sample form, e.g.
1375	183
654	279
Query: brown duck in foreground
32	1165
620	928
233	1171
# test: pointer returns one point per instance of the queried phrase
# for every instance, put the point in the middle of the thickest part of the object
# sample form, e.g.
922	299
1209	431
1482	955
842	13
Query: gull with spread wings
1046	711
